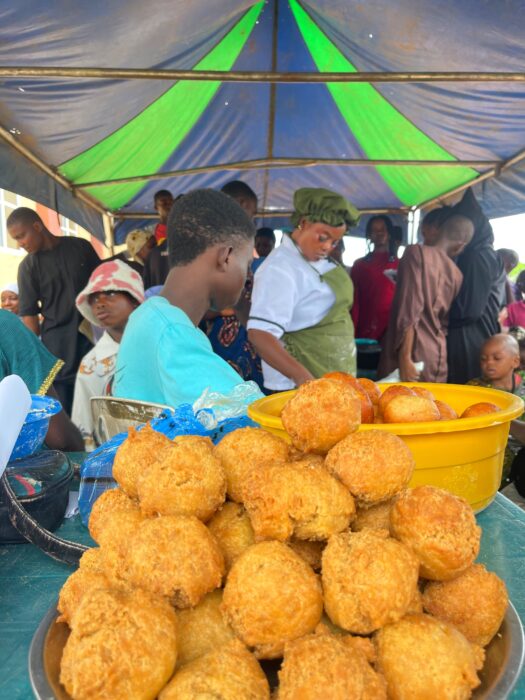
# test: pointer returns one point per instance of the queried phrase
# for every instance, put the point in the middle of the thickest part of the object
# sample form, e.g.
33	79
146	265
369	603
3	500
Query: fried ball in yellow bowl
271	596
229	673
410	409
373	465
296	498
187	479
176	557
422	657
369	579
232	528
136	454
202	629
321	414
439	527
324	665
243	451
475	603
122	645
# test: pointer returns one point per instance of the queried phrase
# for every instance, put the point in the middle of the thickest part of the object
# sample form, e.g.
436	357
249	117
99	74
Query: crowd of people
203	301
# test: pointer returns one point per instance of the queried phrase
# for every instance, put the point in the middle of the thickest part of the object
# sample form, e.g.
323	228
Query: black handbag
34	493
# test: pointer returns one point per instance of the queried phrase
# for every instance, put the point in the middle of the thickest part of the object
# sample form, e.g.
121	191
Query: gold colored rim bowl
267	411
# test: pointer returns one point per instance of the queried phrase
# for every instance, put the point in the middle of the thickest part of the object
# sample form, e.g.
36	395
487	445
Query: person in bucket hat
113	292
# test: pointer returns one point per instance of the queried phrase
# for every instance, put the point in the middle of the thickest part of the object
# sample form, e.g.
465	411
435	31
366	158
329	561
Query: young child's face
497	361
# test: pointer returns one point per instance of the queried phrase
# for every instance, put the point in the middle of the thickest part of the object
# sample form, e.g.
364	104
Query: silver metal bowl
503	663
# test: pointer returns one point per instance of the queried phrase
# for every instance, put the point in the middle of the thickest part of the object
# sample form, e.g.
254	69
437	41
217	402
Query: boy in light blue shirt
163	356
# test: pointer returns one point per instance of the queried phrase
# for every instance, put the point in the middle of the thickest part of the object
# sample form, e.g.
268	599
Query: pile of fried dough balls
213	559
400	403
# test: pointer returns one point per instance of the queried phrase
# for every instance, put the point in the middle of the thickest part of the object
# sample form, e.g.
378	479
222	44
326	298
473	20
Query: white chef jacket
288	295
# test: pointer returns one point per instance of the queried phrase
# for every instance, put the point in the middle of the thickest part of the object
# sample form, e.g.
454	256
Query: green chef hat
318	204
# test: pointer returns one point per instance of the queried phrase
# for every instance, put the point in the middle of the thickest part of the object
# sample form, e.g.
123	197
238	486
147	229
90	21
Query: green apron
329	346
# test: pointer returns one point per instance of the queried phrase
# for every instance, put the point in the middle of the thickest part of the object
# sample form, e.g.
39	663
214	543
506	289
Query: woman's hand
302	377
407	370
272	352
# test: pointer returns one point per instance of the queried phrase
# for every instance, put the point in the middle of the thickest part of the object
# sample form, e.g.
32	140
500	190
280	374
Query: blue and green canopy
384	145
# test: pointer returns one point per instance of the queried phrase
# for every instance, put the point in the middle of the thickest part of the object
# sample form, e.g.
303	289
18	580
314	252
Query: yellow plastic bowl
463	456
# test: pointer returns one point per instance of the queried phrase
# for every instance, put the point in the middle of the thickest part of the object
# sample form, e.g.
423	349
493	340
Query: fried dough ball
229	673
422	392
446	412
475	603
202	629
92	559
298	499
88	577
296	456
136	455
367	408
482	408
243	451
373	465
176	557
375	517
310	551
103	510
416	604
422	657
369	580
122	646
271	596
321	413
232	528
371	388
439	527
186	480
410	409
390	393
325	666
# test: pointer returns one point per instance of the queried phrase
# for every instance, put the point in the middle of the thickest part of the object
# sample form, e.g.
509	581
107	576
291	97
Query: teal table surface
30	581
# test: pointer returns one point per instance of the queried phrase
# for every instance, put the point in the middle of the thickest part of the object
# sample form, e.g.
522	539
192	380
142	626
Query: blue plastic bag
96	473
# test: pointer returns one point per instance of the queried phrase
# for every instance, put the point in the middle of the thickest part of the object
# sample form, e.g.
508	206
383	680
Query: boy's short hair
238	190
204	218
161	193
23	215
265	232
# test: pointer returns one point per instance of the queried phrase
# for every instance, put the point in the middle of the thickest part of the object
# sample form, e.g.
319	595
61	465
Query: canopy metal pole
494	172
20	148
273	89
129	216
290	163
258	76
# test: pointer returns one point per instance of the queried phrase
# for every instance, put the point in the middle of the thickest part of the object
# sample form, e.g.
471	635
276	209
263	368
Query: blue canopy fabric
68	122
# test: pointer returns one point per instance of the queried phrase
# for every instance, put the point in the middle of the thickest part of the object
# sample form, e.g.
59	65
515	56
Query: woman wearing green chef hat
300	319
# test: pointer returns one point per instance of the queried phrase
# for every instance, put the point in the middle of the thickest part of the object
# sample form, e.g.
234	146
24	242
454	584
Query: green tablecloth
30	581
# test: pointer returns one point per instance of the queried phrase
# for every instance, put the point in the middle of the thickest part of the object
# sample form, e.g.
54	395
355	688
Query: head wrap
112	276
317	204
136	240
11	287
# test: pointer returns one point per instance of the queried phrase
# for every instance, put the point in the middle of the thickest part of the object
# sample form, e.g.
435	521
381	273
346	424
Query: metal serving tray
503	663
